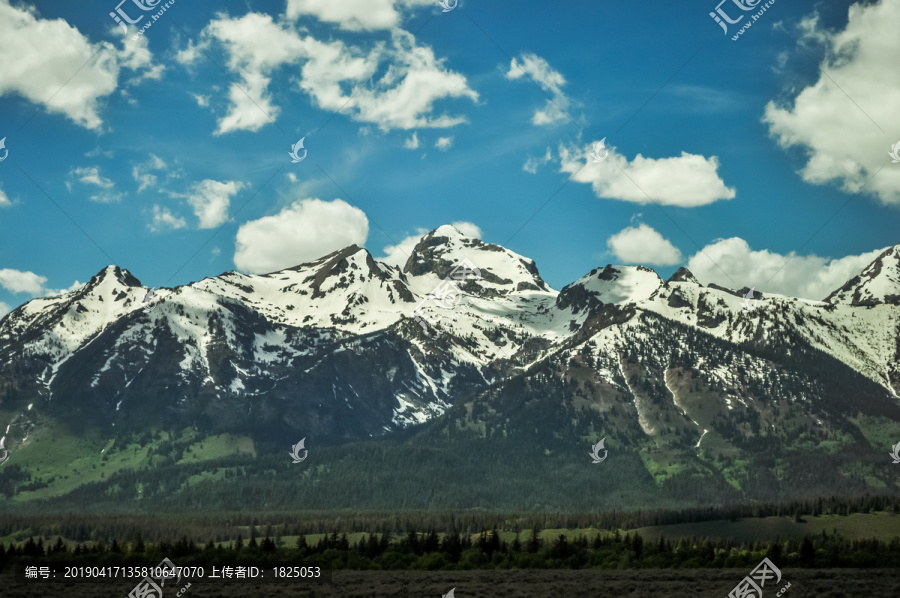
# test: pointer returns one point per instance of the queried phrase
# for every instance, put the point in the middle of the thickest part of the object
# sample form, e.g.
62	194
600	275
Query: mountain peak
115	275
612	284
445	240
684	275
339	268
448	230
446	247
877	284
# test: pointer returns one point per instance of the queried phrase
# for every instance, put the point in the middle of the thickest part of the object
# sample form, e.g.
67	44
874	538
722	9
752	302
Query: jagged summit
609	285
501	270
347	348
621	284
877	284
684	275
115	274
357	347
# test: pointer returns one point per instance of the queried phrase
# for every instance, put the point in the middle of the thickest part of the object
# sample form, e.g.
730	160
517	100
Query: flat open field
858	526
832	583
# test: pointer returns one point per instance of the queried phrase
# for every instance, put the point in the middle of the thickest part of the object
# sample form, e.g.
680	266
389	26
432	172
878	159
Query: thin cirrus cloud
840	128
43	70
402	98
301	232
686	181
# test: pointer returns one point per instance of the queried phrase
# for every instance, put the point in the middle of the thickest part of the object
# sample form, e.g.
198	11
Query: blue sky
168	155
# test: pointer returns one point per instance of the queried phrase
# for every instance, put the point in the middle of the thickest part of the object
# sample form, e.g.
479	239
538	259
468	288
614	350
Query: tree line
224	526
486	550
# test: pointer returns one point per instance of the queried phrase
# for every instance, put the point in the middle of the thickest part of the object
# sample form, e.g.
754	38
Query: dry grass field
686	583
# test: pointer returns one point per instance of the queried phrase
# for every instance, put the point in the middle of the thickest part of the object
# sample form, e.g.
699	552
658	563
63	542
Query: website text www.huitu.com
753	18
152	20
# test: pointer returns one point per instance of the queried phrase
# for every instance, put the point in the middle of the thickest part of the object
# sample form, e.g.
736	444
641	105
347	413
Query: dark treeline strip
487	550
225	526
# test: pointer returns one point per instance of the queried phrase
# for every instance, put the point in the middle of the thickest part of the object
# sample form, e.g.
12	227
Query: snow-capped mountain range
342	347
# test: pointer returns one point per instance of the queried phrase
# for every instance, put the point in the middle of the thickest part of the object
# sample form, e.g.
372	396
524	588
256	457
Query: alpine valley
195	398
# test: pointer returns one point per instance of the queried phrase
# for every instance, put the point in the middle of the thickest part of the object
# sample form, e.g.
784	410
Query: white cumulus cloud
42	55
17	281
331	73
302	232
687	181
833	122
397	255
402	98
810	277
210	201
469	229
643	245
353	15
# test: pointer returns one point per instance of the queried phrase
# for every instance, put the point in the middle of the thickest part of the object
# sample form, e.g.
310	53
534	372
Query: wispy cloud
444	143
164	219
413	142
537	69
90	176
